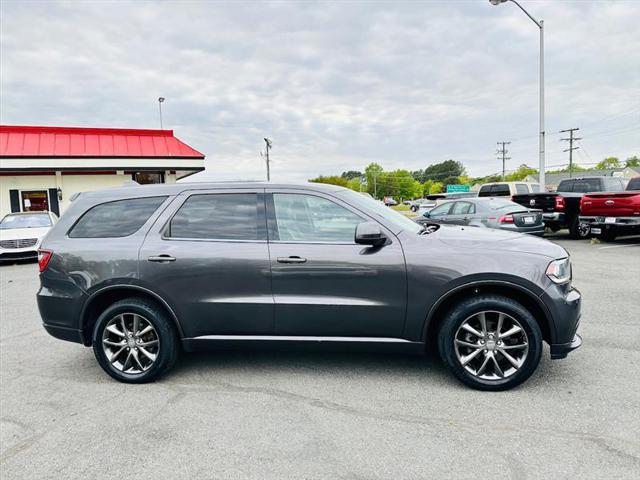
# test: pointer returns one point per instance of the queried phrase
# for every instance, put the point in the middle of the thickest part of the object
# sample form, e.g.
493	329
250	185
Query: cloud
335	85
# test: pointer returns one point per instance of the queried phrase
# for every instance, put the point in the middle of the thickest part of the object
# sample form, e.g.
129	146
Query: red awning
22	141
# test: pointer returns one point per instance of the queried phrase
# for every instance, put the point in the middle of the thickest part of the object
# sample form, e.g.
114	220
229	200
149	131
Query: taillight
506	219
559	202
43	259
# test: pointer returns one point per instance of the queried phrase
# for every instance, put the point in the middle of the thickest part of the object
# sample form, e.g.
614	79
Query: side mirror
370	233
426	214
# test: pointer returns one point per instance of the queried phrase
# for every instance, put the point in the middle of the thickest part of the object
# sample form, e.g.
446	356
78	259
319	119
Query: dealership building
41	168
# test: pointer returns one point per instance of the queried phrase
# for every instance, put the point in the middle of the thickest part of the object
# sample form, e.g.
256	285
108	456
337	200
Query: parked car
562	208
486	212
613	214
389	201
139	273
507	189
21	234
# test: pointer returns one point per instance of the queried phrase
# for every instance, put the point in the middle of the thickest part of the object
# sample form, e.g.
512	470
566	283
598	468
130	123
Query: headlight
559	271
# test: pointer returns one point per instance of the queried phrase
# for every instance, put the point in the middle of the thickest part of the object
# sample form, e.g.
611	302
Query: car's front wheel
490	342
134	341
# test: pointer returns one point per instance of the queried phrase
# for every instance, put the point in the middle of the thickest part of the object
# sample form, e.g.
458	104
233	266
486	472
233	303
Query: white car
21	234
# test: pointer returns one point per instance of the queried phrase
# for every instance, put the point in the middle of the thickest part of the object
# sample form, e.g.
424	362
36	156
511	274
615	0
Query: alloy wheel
130	343
491	345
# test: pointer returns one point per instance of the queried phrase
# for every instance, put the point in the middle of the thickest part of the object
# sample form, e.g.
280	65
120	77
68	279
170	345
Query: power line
503	152
571	148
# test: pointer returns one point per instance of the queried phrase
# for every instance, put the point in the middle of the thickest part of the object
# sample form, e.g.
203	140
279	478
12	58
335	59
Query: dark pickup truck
561	209
613	213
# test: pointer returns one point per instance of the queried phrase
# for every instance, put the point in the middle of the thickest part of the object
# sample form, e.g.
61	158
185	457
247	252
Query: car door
207	256
324	284
460	213
440	213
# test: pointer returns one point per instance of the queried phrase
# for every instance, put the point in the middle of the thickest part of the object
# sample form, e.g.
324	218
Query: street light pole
541	141
160	100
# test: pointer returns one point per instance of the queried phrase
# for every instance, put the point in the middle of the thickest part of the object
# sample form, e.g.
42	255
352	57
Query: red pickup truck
613	214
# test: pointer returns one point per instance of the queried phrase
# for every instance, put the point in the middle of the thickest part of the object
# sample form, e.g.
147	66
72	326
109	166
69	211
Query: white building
42	167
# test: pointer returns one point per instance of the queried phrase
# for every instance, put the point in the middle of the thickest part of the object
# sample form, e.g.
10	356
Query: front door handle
293	259
161	258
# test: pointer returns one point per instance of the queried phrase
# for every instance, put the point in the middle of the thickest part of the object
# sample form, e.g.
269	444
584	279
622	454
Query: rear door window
115	219
218	216
462	208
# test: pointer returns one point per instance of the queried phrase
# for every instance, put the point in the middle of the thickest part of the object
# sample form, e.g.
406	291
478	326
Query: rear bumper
620	225
64	333
598	221
554	217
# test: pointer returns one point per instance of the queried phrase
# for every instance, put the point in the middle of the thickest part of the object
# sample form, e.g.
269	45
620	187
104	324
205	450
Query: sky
335	85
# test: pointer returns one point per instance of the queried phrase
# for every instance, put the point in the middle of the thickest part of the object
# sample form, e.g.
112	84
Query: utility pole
268	147
503	151
571	148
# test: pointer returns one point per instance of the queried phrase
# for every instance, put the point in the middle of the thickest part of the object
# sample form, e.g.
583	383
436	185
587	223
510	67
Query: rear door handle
293	259
161	258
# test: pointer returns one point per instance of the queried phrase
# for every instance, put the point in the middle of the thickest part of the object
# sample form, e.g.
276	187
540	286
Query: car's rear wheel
490	342
134	341
579	230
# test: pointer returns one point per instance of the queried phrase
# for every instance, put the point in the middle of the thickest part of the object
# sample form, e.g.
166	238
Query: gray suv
141	272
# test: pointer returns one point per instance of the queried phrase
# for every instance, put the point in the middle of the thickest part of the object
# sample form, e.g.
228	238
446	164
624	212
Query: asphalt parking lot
327	415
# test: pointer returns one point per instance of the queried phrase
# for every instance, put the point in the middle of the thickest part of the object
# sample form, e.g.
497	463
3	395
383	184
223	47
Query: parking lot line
620	246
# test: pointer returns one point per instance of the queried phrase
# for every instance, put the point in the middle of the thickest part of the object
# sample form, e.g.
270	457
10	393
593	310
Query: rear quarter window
119	218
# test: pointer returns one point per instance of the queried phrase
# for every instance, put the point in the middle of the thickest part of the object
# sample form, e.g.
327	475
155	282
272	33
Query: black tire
489	303
608	235
578	231
168	345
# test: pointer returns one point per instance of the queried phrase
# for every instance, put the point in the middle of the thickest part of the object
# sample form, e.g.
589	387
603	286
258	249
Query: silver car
487	212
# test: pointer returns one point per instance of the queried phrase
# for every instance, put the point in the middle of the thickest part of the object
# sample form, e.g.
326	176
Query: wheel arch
104	297
523	295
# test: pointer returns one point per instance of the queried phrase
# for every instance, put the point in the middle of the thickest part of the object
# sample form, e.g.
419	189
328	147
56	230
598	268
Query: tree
372	172
609	162
351	174
354	184
436	187
521	173
333	180
632	162
440	171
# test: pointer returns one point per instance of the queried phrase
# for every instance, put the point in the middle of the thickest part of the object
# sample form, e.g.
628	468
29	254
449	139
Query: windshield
380	210
35	220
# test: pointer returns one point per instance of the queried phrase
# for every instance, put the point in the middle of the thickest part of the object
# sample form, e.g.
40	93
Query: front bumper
12	255
561	350
564	303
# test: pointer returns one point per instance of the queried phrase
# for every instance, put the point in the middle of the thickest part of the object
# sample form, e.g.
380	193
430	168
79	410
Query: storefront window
144	178
35	201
